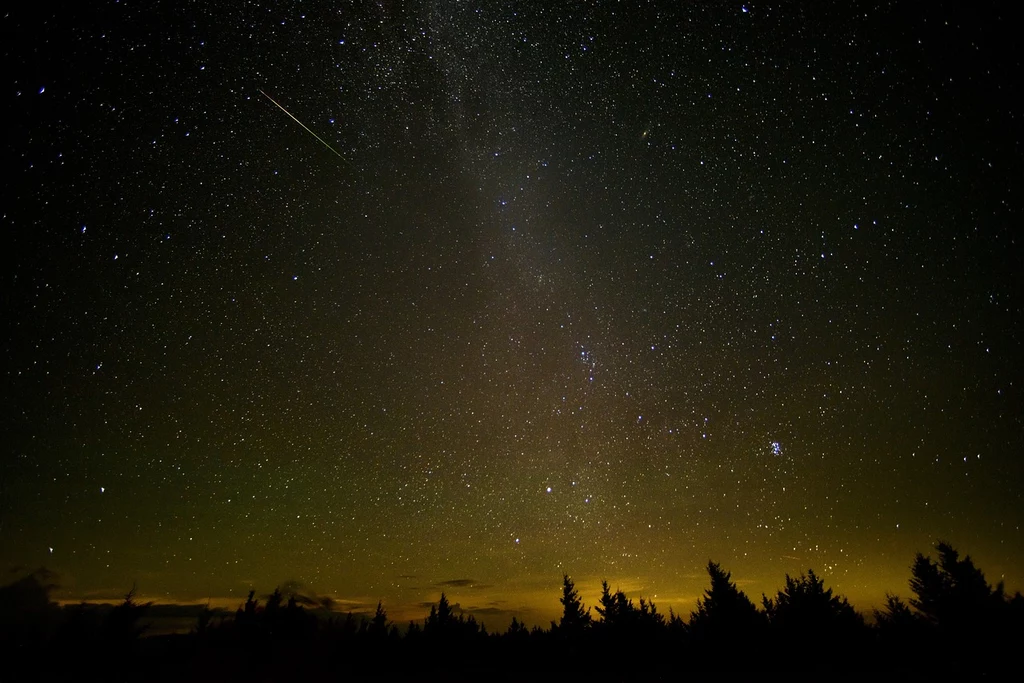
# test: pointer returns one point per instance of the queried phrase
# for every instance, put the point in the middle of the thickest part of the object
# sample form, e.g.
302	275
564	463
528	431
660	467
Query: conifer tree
441	619
379	624
575	618
806	607
724	610
517	629
952	591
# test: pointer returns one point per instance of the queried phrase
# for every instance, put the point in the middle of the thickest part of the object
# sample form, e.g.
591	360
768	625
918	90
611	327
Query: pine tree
251	603
806	607
648	616
896	614
274	601
724	611
441	620
203	621
444	610
900	630
413	632
121	628
379	624
575	619
619	614
952	592
517	630
607	604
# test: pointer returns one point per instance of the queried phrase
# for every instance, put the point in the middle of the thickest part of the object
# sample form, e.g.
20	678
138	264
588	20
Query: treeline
955	621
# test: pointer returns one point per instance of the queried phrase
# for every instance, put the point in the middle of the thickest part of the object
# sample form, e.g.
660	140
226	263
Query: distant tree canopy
953	622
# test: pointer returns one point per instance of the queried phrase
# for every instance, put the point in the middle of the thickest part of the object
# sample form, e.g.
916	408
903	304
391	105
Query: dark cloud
485	611
307	597
175	610
308	601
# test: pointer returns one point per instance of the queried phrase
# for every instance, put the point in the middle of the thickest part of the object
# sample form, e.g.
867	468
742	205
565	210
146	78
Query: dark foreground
956	626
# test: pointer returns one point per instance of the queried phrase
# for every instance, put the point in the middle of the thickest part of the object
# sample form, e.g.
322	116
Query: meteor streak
322	141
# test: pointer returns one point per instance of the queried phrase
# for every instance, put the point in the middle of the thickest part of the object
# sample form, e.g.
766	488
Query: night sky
523	288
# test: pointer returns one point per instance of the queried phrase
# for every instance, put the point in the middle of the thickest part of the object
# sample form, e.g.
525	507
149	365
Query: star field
602	288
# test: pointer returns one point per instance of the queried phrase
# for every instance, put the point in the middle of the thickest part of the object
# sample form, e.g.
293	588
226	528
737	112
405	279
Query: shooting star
322	141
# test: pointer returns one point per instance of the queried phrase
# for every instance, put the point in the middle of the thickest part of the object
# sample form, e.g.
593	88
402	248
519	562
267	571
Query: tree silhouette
648	619
724	613
379	624
246	614
968	617
899	630
442	621
121	628
26	613
806	612
203	621
274	601
516	630
414	631
575	619
606	603
895	615
954	623
614	608
620	616
444	610
677	628
952	593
